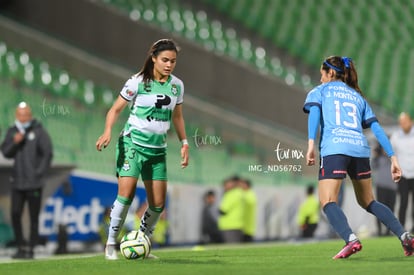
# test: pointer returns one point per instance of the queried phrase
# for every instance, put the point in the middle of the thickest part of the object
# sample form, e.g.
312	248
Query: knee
364	204
323	203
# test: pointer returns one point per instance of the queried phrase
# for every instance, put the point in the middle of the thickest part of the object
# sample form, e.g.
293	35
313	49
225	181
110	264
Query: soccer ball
135	245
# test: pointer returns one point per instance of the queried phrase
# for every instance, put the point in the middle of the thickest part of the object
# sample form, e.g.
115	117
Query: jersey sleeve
368	116
130	89
313	121
180	98
313	98
382	138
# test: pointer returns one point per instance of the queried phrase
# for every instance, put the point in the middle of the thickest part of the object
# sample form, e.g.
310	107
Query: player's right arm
313	126
10	144
111	117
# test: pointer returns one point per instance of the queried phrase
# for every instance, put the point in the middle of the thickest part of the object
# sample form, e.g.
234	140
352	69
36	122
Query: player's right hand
18	138
310	154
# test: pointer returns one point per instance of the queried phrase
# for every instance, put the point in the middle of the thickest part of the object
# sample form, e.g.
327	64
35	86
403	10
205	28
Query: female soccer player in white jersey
338	107
155	97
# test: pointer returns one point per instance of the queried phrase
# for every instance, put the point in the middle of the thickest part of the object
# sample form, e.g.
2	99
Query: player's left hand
396	172
184	155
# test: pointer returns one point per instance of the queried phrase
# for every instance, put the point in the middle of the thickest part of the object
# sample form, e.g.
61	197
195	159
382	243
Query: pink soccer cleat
349	249
408	245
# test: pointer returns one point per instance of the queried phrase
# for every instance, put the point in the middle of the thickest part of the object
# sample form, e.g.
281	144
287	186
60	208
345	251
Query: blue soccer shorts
338	166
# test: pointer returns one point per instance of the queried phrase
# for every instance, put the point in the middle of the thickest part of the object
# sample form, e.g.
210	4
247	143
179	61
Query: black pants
388	197
405	187
232	236
18	200
309	230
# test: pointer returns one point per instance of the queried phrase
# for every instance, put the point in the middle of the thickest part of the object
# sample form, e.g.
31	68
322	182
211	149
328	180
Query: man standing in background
209	228
28	143
308	214
250	208
403	144
231	211
382	179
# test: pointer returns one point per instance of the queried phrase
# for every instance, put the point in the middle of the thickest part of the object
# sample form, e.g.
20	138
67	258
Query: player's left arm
179	125
386	144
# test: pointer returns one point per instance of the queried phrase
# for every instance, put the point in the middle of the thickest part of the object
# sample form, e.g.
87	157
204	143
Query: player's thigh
127	186
328	190
363	191
156	192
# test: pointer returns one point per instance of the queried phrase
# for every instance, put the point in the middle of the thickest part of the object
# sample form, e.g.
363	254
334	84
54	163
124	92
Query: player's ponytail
147	70
344	70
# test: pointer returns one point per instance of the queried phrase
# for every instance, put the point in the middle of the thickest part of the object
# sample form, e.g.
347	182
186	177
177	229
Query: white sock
118	213
352	237
149	220
402	237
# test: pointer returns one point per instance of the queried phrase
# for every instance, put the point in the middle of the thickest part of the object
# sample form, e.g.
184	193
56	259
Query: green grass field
378	256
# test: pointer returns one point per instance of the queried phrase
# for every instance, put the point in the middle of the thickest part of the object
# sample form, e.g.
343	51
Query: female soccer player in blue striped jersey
338	107
155	97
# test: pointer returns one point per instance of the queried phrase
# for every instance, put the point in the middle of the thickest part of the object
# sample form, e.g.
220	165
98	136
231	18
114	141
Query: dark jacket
209	229
32	157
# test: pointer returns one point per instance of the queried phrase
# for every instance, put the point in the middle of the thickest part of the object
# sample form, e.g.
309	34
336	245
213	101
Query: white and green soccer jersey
152	105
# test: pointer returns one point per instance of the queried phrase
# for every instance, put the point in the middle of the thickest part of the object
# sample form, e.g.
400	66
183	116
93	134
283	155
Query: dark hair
159	46
345	70
247	182
209	193
310	189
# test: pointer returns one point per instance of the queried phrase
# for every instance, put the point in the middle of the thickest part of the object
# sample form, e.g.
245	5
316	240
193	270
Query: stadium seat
195	25
312	30
6	234
303	30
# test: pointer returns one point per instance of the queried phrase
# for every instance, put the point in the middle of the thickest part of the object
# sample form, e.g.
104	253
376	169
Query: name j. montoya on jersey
343	93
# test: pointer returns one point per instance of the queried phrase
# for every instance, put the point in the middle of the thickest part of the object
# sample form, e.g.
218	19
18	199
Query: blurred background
246	65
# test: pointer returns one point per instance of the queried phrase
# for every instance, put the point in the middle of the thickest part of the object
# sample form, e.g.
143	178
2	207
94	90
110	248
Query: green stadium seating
62	103
6	234
195	25
377	34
